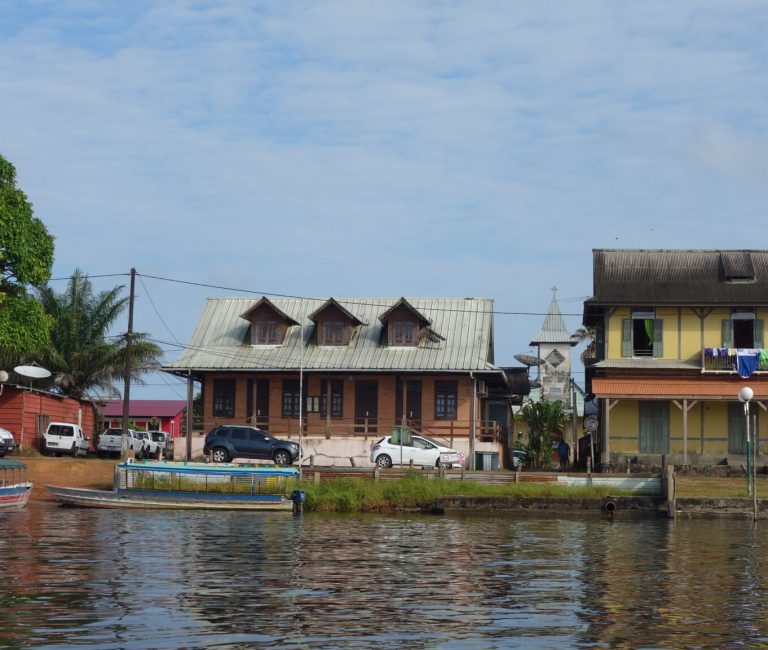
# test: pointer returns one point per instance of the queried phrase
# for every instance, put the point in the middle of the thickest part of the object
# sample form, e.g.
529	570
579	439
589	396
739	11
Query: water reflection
112	579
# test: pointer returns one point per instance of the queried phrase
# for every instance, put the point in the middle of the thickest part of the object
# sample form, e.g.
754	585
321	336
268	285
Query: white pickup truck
65	438
110	442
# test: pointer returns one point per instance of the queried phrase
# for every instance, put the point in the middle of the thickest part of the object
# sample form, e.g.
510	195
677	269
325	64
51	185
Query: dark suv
228	441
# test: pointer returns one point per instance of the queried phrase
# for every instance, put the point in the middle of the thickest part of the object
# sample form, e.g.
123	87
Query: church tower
554	344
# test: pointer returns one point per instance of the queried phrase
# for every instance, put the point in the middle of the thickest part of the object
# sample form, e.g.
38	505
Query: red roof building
152	414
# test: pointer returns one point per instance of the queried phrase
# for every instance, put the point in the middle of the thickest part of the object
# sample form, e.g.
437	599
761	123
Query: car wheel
219	455
282	457
383	461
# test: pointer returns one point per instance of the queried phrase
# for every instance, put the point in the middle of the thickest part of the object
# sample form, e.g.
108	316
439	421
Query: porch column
685	407
606	438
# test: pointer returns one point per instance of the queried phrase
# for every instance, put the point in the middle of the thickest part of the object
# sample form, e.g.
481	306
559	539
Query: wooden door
412	403
366	406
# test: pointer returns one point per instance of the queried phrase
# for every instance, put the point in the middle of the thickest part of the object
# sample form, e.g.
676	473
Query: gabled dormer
404	325
268	323
334	325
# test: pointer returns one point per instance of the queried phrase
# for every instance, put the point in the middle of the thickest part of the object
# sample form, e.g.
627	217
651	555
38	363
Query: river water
122	579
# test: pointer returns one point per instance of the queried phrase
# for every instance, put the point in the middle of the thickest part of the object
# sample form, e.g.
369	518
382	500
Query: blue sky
352	148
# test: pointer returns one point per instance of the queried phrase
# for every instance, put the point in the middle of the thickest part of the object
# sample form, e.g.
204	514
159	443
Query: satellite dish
33	371
529	360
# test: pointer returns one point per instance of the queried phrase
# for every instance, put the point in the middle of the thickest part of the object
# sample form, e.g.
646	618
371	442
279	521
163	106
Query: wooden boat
14	487
192	486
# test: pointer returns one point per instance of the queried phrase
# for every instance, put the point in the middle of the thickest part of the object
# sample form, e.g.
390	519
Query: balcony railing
444	431
729	359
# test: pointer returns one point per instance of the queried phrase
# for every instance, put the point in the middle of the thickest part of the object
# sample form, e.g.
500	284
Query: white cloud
384	148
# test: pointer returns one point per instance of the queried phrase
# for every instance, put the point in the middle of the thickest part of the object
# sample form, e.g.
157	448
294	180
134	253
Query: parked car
163	441
6	442
150	448
110	442
65	438
415	450
225	442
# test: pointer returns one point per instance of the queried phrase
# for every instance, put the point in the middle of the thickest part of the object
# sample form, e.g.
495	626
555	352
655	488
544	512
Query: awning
676	388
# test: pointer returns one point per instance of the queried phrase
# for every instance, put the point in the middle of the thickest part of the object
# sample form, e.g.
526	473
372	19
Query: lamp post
745	395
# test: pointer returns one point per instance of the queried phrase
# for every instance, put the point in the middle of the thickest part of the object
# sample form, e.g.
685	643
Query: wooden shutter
728	333
658	337
626	337
759	327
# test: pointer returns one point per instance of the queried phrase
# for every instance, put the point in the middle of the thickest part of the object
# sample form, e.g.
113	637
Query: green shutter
728	333
626	337
759	327
658	337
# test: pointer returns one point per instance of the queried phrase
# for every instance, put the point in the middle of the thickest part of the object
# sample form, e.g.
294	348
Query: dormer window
268	323
266	333
333	333
406	326
335	324
403	333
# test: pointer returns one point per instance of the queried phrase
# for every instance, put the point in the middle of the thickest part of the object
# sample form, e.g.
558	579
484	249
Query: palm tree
586	334
543	419
81	357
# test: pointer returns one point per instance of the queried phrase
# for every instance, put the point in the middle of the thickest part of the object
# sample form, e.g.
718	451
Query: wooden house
678	334
347	371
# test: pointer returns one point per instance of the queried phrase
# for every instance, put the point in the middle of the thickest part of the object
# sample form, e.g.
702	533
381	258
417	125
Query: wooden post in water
670	491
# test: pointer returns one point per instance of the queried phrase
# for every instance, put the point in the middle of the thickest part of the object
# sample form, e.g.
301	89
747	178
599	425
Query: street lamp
745	395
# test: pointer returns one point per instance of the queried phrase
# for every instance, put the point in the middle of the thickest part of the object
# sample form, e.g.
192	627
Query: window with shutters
743	330
642	335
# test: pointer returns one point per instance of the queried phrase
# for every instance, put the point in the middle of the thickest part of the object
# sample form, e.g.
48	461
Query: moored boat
193	486
14	487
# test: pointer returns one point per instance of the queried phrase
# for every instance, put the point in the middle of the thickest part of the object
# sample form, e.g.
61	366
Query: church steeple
553	330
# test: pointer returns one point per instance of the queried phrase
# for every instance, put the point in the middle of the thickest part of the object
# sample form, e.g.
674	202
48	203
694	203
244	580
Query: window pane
445	400
224	398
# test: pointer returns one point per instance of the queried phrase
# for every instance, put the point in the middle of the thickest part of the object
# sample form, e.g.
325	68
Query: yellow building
678	333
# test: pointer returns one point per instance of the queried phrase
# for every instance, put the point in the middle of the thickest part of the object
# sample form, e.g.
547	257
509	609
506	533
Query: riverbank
68	472
414	492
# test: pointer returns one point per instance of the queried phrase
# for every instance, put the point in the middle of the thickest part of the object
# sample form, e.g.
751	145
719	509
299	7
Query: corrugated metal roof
553	330
665	388
648	363
146	408
466	324
642	277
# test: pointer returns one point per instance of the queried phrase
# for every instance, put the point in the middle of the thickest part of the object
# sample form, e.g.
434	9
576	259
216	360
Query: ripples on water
122	579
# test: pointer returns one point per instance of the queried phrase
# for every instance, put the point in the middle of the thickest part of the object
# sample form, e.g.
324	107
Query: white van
65	438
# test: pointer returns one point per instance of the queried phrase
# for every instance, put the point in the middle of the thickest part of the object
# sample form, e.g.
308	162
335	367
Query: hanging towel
709	352
763	359
746	364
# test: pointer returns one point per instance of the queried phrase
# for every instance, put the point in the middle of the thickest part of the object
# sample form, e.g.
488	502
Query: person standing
563	451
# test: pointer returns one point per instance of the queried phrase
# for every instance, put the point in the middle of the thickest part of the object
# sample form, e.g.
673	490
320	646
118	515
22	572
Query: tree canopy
26	258
80	355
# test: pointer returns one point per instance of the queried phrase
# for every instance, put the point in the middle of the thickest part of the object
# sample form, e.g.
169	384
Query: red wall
19	409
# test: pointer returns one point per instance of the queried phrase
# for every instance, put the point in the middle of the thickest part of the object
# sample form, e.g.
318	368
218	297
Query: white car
6	442
65	438
415	450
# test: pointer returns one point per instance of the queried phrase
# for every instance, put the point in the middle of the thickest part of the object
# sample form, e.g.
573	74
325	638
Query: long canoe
191	486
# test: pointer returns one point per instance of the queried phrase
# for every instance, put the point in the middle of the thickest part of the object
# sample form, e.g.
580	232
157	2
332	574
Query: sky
353	148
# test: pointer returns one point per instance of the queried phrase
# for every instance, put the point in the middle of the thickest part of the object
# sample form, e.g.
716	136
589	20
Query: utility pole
128	369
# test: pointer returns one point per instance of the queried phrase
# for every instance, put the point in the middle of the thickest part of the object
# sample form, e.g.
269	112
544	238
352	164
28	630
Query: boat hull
154	500
14	497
